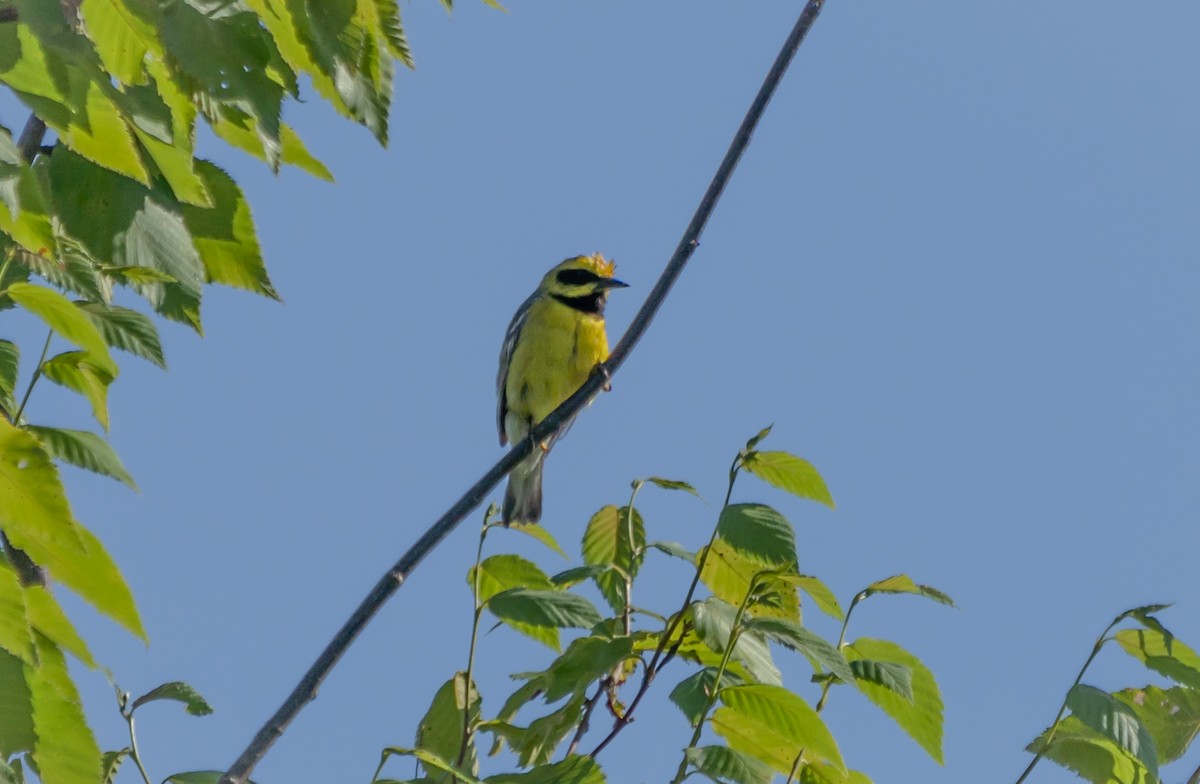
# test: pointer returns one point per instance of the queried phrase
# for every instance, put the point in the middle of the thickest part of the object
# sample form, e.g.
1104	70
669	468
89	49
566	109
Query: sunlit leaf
16	636
224	235
774	725
788	472
584	661
16	710
62	316
547	608
83	449
1171	716
539	533
791	634
615	537
902	583
499	573
127	330
727	766
921	717
46	615
1163	654
674	549
77	370
1115	720
824	598
729	574
1090	754
65	750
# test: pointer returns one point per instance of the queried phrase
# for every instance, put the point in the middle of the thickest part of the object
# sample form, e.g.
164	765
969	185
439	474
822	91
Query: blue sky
957	269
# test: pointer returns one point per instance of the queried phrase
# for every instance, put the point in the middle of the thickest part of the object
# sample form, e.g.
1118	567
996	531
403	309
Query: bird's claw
601	370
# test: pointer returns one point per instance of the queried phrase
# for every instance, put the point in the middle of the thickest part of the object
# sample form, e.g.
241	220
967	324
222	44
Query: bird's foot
601	370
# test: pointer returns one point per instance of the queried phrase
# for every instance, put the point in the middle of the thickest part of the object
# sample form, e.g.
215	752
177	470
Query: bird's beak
612	283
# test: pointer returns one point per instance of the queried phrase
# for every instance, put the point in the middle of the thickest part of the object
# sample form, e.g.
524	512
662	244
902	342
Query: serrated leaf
714	618
432	762
500	573
35	516
727	766
537	743
62	316
539	533
440	731
824	598
584	661
774	725
691	695
16	635
83	449
545	608
729	574
1162	653
122	34
575	769
902	583
110	763
1171	716
77	371
758	532
816	648
65	750
1091	755
575	575
615	537
176	691
674	549
127	330
921	717
16	710
673	484
224	235
892	676
1115	720
46	615
788	472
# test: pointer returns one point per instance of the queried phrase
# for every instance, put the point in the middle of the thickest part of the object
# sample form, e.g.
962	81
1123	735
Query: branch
306	689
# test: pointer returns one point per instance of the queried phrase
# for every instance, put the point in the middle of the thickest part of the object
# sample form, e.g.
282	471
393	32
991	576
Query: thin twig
306	689
586	722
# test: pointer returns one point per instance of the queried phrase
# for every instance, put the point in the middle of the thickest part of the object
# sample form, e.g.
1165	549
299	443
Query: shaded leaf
1171	716
758	437
549	608
575	769
921	717
65	750
83	449
788	472
16	708
902	583
584	661
674	549
714	618
440	731
576	574
727	766
691	695
224	235
1091	755
758	532
615	537
820	651
176	691
77	371
127	329
673	484
892	676
1115	720
110	763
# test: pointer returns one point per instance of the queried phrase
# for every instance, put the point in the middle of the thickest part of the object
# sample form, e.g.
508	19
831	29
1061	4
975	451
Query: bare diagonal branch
306	689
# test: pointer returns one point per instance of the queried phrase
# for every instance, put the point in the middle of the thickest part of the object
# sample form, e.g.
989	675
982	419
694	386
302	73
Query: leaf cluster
746	725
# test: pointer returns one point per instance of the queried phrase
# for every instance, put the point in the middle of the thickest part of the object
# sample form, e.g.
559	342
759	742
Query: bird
555	341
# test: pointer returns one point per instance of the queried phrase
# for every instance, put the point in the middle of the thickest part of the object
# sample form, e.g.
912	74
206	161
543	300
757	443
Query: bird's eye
577	277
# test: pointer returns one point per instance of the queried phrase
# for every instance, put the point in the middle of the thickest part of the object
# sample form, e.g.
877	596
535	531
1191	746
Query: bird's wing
506	354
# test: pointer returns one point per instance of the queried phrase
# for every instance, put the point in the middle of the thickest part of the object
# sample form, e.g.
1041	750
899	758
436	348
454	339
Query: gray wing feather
506	354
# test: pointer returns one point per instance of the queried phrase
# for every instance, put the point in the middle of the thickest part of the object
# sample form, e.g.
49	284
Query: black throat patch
592	304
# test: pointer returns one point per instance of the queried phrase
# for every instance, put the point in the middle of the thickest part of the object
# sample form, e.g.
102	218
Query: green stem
468	730
133	748
37	373
841	642
1103	638
734	634
627	614
795	767
8	258
657	661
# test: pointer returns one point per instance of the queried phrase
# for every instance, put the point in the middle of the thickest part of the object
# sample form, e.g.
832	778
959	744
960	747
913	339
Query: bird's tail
523	498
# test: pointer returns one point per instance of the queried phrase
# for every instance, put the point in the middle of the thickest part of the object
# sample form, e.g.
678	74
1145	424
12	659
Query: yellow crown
603	266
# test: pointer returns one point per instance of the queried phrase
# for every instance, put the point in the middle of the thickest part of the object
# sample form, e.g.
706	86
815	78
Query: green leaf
537	743
83	449
16	709
1171	716
824	598
16	636
757	439
1163	654
1115	720
440	732
547	608
539	533
714	618
674	549
758	532
575	575
65	750
224	235
691	695
575	769
46	615
36	518
615	537
775	726
731	574
673	484
921	717
816	648
123	35
24	211
902	583
177	691
500	573
585	660
77	371
393	31
727	766
62	316
110	763
1091	755
12	774
892	676
432	762
788	472
127	330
